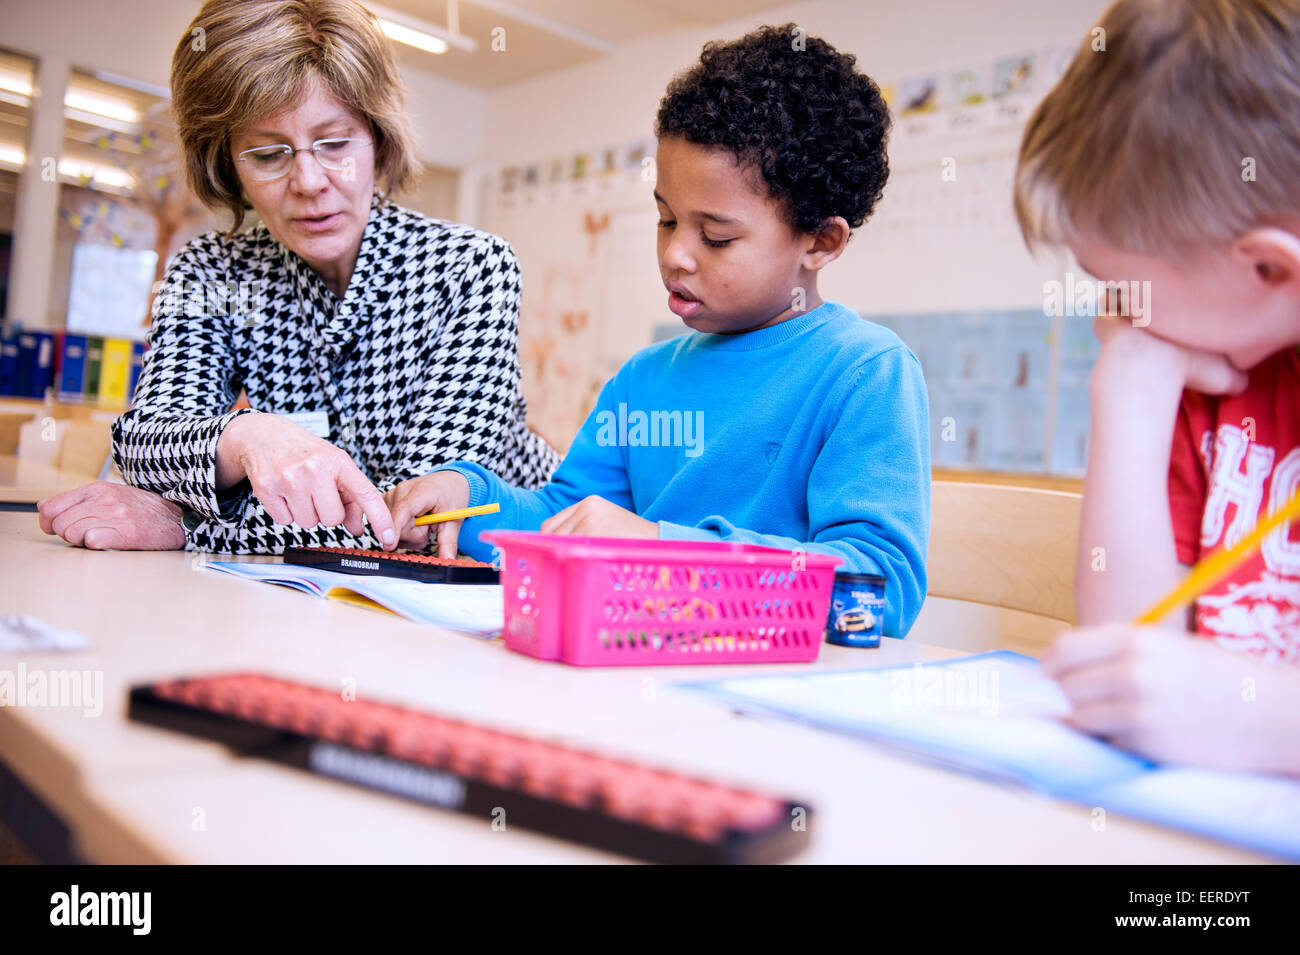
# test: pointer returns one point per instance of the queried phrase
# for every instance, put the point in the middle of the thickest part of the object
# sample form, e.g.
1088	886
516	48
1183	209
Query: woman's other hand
104	516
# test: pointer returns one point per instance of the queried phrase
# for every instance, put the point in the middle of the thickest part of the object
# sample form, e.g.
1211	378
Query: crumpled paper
23	633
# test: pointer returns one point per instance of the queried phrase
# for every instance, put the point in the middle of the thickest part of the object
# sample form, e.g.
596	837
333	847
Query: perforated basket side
601	602
674	612
533	588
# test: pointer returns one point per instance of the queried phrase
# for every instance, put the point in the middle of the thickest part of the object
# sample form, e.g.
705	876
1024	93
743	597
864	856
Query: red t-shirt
1234	459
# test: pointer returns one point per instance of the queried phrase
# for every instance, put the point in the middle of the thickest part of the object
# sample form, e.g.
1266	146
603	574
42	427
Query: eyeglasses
271	162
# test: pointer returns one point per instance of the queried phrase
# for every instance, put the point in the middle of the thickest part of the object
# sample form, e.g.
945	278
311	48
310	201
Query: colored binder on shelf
35	371
137	365
94	358
9	365
114	371
73	370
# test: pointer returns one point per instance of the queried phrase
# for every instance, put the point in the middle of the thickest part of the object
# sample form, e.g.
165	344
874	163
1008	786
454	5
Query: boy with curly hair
780	419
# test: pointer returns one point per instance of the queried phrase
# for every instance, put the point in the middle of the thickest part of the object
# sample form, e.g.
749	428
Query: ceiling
545	35
540	36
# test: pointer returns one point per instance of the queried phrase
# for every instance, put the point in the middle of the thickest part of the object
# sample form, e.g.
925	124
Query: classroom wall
592	293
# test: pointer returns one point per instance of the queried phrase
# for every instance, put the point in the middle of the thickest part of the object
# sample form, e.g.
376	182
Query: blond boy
1172	156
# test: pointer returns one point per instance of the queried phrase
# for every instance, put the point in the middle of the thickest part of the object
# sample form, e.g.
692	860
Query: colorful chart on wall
1008	390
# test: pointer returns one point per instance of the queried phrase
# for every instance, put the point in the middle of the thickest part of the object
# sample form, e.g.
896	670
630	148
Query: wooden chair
1008	547
84	447
11	424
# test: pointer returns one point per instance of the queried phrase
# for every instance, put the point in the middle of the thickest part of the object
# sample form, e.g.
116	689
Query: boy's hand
439	491
596	517
1165	695
1128	348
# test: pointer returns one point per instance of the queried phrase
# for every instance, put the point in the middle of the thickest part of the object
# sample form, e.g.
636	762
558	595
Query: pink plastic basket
597	601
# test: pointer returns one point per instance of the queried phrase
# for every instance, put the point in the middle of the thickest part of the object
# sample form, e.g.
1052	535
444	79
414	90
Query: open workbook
472	608
998	715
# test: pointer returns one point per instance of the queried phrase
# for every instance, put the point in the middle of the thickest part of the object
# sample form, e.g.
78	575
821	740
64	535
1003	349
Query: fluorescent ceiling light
77	101
14	82
140	86
17	99
101	175
416	38
101	122
420	33
101	106
73	170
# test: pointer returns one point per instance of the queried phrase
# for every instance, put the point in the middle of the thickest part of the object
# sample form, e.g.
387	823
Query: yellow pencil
1219	564
441	516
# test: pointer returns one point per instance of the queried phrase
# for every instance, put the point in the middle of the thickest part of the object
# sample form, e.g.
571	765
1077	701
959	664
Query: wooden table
133	793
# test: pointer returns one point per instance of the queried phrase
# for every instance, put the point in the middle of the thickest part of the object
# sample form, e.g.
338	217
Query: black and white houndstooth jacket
415	366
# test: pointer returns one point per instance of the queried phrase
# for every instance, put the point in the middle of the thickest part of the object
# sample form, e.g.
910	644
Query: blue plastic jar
857	614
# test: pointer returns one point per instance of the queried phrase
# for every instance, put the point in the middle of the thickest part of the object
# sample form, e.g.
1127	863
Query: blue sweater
811	434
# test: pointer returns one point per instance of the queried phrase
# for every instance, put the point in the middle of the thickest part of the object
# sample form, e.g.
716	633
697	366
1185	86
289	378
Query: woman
373	343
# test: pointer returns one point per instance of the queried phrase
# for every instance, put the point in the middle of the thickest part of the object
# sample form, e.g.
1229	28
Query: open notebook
472	608
997	715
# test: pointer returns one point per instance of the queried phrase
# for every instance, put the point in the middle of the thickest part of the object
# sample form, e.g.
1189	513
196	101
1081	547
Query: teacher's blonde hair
240	60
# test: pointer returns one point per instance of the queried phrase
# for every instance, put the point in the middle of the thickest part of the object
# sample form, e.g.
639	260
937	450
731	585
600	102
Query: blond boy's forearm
1126	555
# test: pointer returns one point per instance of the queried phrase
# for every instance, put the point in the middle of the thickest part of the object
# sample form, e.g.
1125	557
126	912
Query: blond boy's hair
1176	127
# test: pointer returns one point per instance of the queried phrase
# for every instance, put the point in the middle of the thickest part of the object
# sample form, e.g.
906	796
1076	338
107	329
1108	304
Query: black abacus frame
586	825
428	573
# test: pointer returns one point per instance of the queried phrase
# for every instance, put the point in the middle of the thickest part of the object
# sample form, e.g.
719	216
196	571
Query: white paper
997	714
472	608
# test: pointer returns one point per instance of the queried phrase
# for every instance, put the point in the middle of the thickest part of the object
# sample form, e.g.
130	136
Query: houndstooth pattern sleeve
167	441
416	366
471	407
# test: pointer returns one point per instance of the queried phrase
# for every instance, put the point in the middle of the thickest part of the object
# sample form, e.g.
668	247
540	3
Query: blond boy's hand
596	517
1129	350
1178	699
439	491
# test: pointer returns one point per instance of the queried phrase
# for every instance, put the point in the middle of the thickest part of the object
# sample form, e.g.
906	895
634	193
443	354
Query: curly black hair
794	108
